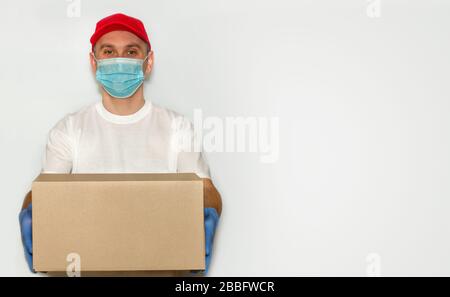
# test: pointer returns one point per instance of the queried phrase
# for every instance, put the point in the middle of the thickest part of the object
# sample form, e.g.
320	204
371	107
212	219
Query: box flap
98	177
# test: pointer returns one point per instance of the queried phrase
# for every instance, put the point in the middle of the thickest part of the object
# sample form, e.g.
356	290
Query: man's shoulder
163	113
67	122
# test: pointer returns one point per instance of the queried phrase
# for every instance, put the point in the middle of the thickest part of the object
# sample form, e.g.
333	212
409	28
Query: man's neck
123	106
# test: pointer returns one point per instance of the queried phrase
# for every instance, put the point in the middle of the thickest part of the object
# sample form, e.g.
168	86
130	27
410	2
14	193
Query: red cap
119	22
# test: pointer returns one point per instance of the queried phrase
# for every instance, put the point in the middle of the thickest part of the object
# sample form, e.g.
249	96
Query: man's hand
212	211
25	219
211	220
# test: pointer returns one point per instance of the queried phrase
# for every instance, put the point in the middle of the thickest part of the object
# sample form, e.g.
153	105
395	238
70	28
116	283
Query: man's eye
132	52
107	52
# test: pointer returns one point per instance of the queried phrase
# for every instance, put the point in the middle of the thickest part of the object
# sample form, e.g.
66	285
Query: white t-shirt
94	140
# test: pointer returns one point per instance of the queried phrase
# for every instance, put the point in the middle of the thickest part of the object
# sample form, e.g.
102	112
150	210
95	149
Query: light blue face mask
120	77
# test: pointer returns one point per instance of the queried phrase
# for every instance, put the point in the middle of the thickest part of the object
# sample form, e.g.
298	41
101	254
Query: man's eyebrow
102	46
106	45
133	45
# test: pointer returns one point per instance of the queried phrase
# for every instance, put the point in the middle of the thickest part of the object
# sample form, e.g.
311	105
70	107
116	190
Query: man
124	132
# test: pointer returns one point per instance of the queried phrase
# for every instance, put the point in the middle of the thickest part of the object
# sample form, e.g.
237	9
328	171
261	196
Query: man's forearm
26	200
211	196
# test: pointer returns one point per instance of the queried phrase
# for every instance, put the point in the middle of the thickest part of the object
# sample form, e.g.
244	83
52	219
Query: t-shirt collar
123	119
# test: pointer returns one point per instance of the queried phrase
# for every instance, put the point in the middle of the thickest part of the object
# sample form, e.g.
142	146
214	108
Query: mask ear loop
143	61
146	57
93	55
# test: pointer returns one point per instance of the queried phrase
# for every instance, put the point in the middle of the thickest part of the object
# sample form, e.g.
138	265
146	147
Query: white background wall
363	105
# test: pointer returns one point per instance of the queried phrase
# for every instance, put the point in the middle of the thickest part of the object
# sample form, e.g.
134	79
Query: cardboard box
118	222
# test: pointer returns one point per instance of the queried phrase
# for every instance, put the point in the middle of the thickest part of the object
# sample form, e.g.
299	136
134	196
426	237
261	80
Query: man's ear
149	64
93	62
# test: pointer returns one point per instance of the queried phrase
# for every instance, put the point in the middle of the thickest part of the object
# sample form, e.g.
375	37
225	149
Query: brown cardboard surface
118	222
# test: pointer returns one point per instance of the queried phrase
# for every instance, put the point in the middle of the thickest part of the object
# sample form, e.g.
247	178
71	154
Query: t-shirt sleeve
58	156
189	158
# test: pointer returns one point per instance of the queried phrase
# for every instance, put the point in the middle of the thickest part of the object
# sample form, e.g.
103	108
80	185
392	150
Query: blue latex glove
211	219
25	219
